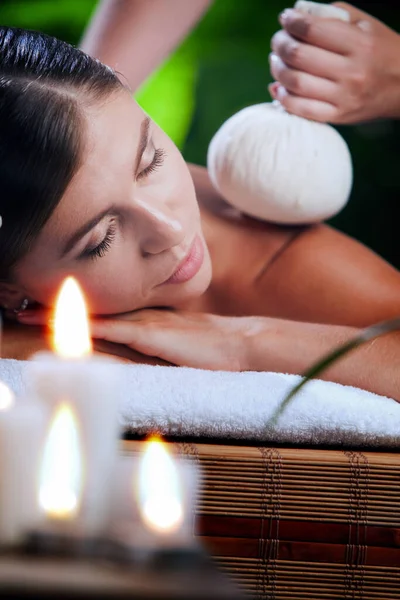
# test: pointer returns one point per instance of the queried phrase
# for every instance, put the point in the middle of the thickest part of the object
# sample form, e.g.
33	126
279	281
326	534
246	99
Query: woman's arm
213	342
293	347
256	344
135	36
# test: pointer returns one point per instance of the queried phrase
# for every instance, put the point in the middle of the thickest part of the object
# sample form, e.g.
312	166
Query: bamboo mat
295	523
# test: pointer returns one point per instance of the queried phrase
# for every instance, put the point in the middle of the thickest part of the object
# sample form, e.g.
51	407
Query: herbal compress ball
279	167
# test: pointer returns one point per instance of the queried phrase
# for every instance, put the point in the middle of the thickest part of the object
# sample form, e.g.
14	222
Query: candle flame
6	397
160	494
71	326
61	471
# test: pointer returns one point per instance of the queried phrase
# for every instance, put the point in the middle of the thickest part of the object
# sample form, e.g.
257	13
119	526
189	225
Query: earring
23	306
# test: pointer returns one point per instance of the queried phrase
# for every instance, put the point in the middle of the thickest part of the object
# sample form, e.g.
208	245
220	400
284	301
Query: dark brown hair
44	83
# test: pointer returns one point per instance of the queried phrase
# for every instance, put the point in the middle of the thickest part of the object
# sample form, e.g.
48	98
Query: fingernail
283	16
273	59
364	26
273	88
280	92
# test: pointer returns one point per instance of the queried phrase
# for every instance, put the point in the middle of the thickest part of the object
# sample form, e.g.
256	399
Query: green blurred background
222	67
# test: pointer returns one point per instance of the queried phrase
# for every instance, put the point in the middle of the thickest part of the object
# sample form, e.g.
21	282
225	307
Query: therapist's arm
135	36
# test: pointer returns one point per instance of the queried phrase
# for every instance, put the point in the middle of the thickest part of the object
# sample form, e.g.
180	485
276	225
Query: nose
158	228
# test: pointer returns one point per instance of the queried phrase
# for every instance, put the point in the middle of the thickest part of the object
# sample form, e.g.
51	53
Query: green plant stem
329	359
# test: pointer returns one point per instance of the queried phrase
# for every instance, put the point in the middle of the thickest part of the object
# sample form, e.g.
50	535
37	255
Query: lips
190	265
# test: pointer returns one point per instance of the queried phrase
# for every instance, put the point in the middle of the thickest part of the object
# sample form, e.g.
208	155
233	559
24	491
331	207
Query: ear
11	296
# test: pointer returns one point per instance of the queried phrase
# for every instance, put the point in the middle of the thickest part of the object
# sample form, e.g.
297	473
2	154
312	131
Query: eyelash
157	162
104	246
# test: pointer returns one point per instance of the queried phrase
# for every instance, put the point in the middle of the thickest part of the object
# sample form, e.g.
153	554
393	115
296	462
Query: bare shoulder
326	276
313	273
256	242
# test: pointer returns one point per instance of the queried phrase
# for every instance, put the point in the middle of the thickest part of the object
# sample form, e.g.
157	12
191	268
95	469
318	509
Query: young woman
91	187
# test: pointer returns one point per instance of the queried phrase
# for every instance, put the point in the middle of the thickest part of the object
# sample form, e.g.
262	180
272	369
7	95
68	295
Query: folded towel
192	402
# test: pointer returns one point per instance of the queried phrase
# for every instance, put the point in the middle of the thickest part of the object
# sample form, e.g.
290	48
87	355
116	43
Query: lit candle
159	491
22	425
88	385
154	501
60	475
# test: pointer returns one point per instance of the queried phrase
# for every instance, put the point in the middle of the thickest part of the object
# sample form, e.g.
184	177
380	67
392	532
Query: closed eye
101	249
156	163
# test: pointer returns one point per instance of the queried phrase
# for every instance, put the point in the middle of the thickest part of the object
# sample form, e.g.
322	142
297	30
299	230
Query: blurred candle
154	499
22	427
89	386
60	475
159	491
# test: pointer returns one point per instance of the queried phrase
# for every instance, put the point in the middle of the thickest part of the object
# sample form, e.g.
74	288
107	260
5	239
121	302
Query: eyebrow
144	140
84	230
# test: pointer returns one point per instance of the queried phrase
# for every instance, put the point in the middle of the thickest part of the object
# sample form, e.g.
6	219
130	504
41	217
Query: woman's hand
332	71
182	338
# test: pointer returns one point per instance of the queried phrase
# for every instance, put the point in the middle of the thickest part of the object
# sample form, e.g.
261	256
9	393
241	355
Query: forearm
292	347
135	36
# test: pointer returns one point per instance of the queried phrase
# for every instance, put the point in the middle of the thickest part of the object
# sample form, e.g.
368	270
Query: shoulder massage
91	187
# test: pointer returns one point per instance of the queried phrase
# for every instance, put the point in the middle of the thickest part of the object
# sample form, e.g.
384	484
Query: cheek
112	284
39	282
184	193
115	284
177	181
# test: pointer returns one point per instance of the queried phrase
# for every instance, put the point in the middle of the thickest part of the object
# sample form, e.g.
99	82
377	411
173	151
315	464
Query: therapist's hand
332	71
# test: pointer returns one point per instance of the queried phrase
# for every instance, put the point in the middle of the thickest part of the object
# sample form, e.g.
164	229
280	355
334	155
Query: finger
273	88
355	13
318	9
38	316
315	110
119	332
302	84
329	34
142	314
126	354
310	59
172	346
145	337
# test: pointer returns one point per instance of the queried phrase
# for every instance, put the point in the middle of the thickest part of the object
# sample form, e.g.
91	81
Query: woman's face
128	226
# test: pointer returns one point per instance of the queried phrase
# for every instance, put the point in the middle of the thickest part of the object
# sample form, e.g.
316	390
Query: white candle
155	494
60	484
22	426
89	386
160	491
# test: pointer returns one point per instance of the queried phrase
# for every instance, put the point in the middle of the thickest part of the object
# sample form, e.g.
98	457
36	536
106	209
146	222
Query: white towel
192	402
